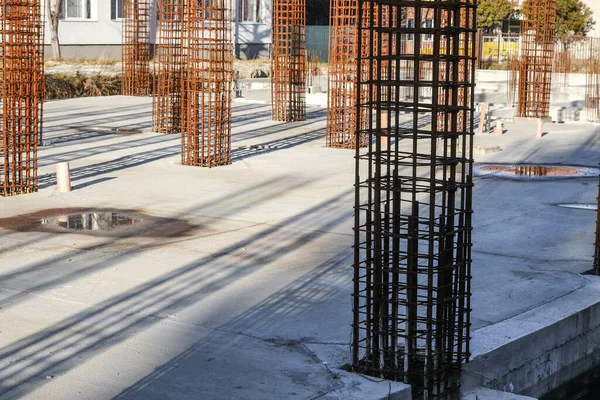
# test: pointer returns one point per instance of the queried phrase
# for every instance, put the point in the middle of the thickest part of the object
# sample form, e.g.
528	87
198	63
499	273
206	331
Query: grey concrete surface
489	394
537	351
246	292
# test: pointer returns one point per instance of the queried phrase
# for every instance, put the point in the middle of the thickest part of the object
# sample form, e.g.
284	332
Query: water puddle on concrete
534	172
99	222
91	221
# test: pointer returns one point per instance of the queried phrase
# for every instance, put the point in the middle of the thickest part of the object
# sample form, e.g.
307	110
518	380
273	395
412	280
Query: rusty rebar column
21	94
597	246
168	66
136	48
537	54
512	83
449	74
288	60
413	208
342	79
208	84
592	88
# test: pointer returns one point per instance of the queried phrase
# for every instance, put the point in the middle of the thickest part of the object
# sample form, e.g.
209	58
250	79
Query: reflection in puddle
90	221
534	172
98	222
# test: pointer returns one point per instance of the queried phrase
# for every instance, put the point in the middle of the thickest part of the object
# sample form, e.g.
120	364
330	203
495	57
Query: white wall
253	32
99	30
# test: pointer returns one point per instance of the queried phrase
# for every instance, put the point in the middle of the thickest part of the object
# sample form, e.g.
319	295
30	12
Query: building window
249	11
116	9
76	9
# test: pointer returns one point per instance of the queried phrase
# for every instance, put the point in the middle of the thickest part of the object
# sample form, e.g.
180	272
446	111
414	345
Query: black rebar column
597	247
413	209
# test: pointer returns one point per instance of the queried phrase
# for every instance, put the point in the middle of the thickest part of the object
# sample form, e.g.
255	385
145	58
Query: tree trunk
53	7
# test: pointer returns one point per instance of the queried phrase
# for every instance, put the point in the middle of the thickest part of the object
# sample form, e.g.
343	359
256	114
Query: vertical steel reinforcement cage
288	60
342	80
592	87
21	94
168	66
135	80
537	54
597	245
208	84
413	208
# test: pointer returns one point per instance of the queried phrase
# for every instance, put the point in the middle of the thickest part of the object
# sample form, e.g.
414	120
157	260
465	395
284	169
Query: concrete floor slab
254	276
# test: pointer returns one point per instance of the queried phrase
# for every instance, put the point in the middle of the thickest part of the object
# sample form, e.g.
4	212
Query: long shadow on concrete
118	164
277	144
130	161
95	150
62	114
50	272
94	136
283	321
113	320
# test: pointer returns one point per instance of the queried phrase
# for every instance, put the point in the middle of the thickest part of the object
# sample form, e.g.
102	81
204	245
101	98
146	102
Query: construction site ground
240	286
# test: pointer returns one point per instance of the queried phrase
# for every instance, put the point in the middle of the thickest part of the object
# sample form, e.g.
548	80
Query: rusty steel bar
573	53
562	67
313	68
135	80
592	89
537	53
512	83
479	47
342	76
447	73
21	94
413	207
208	84
597	247
168	66
288	60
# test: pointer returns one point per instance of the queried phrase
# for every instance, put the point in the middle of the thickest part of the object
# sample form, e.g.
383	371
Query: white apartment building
91	29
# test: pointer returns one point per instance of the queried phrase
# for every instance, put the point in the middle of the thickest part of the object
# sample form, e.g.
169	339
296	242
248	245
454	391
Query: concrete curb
489	394
537	351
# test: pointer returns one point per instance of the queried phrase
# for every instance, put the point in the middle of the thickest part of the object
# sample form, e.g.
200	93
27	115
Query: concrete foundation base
489	394
245	293
538	351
